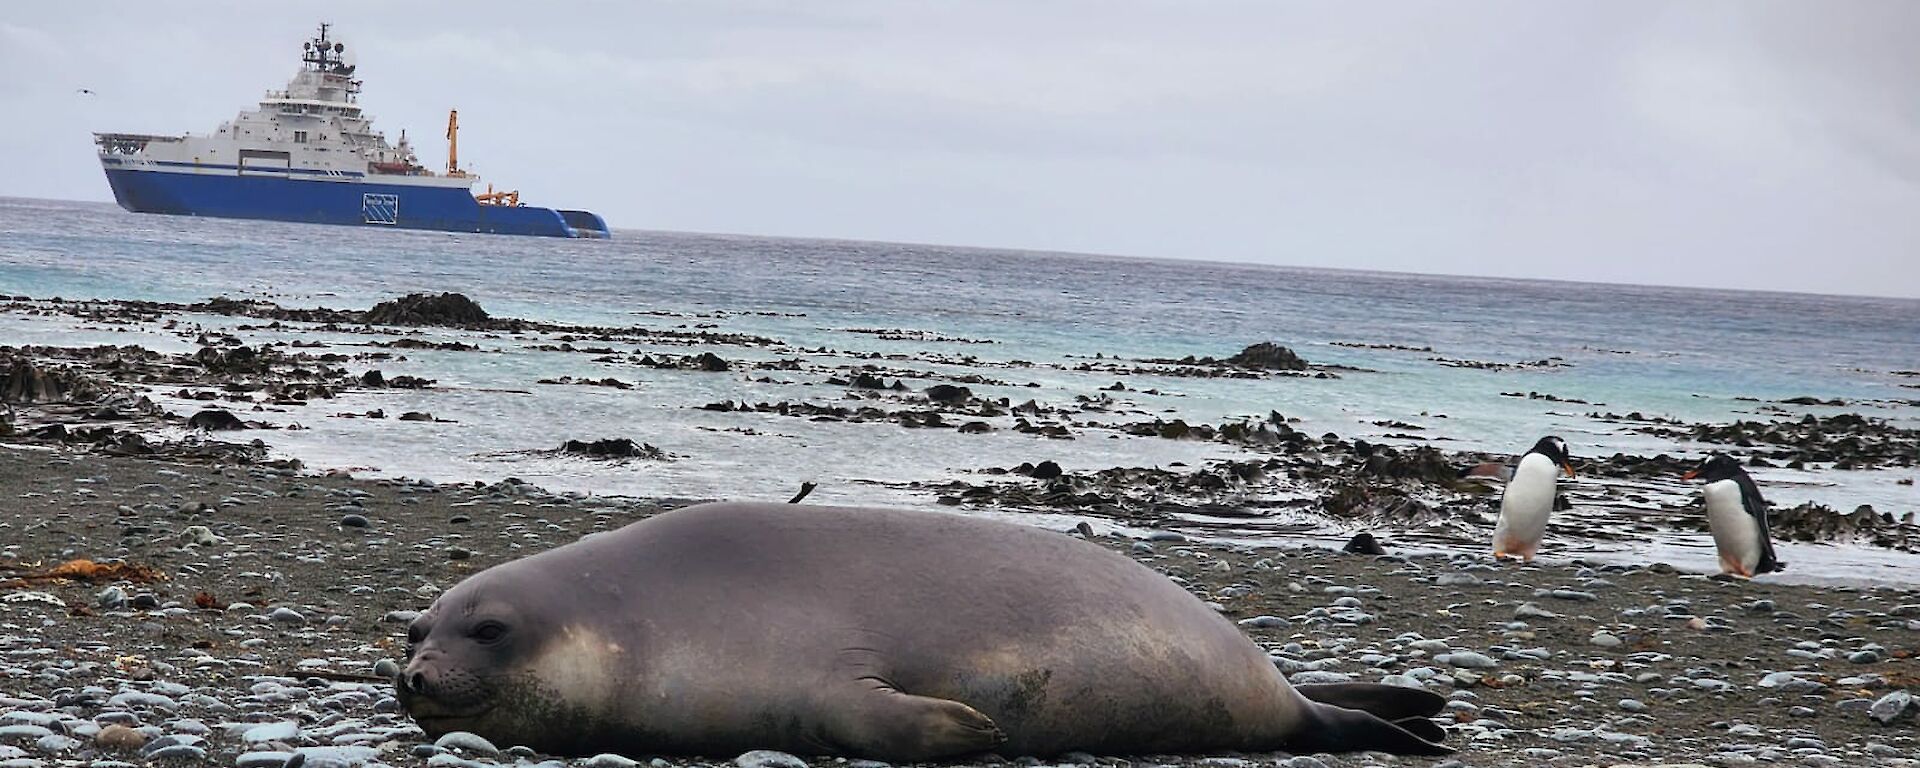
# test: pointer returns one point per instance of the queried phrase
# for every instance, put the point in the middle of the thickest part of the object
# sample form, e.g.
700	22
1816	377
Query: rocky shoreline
101	399
161	612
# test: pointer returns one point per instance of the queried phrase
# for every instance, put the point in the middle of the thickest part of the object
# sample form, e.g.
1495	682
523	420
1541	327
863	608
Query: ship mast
329	59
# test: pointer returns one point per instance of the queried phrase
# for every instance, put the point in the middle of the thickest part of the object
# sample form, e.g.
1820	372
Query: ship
310	154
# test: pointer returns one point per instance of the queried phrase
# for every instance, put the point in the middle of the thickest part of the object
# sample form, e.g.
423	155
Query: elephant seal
886	634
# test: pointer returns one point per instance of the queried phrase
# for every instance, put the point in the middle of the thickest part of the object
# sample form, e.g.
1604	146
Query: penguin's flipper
1756	507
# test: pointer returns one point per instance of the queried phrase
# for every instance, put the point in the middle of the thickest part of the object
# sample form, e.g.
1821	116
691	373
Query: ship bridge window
299	137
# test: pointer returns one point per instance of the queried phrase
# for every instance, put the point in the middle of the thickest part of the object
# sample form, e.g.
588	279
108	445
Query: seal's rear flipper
885	724
1328	728
1388	702
1423	728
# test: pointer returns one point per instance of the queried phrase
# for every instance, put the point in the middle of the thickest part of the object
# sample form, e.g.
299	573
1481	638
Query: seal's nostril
416	682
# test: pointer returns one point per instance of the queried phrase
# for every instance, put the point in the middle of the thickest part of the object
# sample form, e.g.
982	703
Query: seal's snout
436	686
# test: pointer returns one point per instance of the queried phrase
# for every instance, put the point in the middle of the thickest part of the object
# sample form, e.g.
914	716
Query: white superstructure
314	130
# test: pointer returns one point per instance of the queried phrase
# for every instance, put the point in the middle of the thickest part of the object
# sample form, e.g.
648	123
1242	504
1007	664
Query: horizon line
1056	252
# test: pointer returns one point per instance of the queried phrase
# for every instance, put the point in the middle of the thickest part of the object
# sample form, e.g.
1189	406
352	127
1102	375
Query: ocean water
1684	353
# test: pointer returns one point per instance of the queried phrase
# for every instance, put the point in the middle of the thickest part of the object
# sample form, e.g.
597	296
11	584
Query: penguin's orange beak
1691	474
1568	468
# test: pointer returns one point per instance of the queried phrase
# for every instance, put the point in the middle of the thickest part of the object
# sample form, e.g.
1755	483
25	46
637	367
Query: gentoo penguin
1528	499
1737	515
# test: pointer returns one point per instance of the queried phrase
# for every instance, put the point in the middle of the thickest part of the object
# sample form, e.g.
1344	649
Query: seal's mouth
433	716
443	717
426	709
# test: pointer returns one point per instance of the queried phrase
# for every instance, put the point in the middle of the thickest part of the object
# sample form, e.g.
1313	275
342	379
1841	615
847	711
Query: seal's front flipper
1388	702
885	724
1329	728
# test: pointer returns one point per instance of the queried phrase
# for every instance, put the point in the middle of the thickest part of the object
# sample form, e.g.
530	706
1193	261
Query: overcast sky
1737	144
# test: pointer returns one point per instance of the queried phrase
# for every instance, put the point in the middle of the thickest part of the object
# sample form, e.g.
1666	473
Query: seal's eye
489	632
416	633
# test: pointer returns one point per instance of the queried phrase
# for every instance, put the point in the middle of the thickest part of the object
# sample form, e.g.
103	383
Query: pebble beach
246	611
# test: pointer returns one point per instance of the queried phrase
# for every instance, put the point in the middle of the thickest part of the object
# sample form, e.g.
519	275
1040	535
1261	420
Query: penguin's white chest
1525	505
1735	533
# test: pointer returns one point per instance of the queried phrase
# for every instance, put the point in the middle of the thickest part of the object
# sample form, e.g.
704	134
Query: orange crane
489	197
453	143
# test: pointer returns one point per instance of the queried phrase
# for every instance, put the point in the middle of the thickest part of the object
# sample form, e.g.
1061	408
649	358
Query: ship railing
129	143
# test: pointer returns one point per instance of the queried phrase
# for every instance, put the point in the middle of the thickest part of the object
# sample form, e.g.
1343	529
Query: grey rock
57	744
610	760
462	741
263	760
1532	610
1467	660
767	758
137	699
1319	678
278	731
1777	679
1891	707
285	615
451	760
177	752
1854	706
350	755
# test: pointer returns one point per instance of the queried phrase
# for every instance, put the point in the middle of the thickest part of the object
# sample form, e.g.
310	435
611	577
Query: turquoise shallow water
1675	352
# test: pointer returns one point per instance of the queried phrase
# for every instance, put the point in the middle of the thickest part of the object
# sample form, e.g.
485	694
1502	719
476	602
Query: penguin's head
1555	449
1717	467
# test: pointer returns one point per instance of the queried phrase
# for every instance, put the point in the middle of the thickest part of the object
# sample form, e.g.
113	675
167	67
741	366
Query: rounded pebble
767	758
462	741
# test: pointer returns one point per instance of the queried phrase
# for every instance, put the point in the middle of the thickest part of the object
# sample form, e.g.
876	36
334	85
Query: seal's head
498	656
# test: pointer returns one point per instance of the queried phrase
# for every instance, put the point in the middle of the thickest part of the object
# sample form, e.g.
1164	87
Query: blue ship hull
357	203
